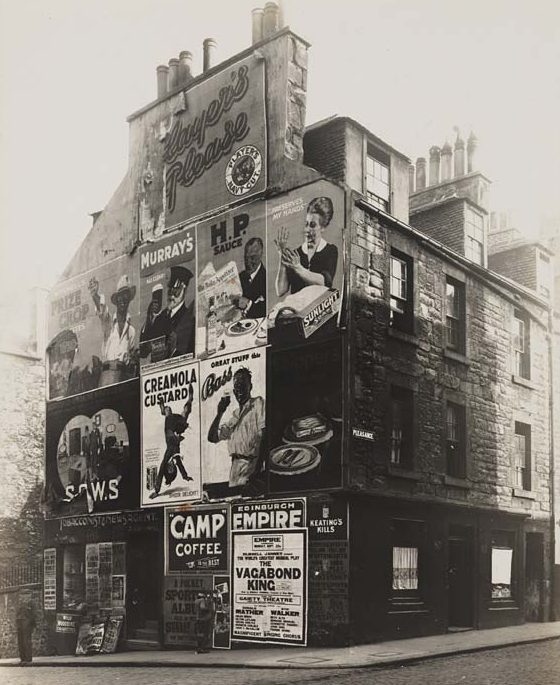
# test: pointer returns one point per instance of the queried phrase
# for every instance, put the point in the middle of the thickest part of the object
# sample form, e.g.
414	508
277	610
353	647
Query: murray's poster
305	410
170	435
305	261
167	298
92	452
231	286
93	329
232	400
214	146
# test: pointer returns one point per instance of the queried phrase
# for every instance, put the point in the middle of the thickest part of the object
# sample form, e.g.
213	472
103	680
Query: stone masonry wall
482	379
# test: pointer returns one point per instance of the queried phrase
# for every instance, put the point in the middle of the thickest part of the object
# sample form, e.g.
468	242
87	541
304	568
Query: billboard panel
93	329
92	452
214	149
167	298
233	424
231	282
305	253
171	470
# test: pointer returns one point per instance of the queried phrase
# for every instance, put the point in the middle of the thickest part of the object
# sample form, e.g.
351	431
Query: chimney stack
162	76
472	144
257	30
459	156
185	67
271	19
208	48
420	173
435	159
446	162
173	74
411	178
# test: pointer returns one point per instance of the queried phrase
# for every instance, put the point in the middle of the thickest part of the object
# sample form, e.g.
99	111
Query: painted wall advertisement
93	329
232	282
196	540
305	252
214	150
167	298
171	469
233	391
92	452
269	579
305	410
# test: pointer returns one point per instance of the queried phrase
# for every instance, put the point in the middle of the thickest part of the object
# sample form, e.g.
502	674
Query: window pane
502	558
405	568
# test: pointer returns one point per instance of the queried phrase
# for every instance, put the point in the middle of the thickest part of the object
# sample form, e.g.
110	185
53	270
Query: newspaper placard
270	586
171	470
231	286
305	252
179	617
93	329
233	423
167	298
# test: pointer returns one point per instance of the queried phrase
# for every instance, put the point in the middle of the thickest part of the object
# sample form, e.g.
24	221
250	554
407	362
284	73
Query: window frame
408	533
403	397
378	192
525	471
521	352
475	235
458	317
503	540
401	318
456	447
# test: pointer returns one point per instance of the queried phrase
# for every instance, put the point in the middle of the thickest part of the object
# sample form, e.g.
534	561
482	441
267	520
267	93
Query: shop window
521	348
456	440
377	180
401	291
402	408
406	558
522	456
455	315
474	236
502	565
405	568
73	580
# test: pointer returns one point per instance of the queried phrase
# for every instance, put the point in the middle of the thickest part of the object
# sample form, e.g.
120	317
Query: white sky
409	70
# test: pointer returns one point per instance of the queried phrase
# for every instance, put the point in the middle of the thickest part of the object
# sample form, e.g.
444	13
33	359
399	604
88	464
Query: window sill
456	356
524	494
462	483
402	472
402	335
525	382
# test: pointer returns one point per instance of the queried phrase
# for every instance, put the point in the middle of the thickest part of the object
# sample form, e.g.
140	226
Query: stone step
134	644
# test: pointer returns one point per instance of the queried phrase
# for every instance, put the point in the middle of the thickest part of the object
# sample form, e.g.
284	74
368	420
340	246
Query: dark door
460	581
534	568
143	587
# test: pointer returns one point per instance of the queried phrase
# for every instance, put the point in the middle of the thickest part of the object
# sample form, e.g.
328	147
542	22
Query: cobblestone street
531	664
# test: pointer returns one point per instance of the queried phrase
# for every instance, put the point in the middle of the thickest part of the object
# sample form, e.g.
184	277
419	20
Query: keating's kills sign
214	150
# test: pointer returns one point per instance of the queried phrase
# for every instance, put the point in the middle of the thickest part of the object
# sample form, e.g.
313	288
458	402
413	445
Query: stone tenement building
280	371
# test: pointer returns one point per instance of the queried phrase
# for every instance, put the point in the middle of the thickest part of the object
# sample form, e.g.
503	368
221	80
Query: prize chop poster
171	436
233	418
167	298
231	281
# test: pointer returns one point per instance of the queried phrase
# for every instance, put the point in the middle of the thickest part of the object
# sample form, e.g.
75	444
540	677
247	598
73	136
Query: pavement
391	653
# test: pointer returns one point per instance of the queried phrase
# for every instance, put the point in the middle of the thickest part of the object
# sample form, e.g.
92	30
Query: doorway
534	571
143	603
460	595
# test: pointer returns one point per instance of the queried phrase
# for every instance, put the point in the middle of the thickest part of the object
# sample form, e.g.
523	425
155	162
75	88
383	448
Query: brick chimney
208	49
420	173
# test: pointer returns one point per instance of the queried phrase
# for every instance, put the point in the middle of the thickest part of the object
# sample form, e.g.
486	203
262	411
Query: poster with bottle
232	407
231	283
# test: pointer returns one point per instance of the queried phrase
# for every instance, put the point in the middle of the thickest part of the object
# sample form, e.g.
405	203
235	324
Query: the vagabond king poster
233	420
93	329
305	261
171	470
167	298
232	281
214	148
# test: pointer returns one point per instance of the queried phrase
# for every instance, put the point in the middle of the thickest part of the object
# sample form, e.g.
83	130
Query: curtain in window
405	568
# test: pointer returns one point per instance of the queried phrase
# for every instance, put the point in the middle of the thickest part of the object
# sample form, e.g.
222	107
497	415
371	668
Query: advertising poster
221	638
171	435
179	616
264	514
49	579
214	148
92	452
328	521
233	422
231	286
305	262
93	329
196	539
305	425
167	298
270	586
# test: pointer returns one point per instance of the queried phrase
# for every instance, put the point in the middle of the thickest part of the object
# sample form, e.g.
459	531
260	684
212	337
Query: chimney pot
435	159
420	173
257	19
173	75
185	67
270	19
446	162
208	48
459	156
162	75
472	144
411	178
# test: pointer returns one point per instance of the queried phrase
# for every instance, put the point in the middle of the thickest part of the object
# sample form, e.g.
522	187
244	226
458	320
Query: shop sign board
214	145
196	540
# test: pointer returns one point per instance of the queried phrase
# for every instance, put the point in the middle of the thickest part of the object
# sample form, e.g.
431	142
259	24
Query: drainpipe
552	465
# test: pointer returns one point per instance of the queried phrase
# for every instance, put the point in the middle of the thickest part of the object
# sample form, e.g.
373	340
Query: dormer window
474	236
377	178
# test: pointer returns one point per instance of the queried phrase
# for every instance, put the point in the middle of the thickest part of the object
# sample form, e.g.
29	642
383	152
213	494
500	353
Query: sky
71	71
